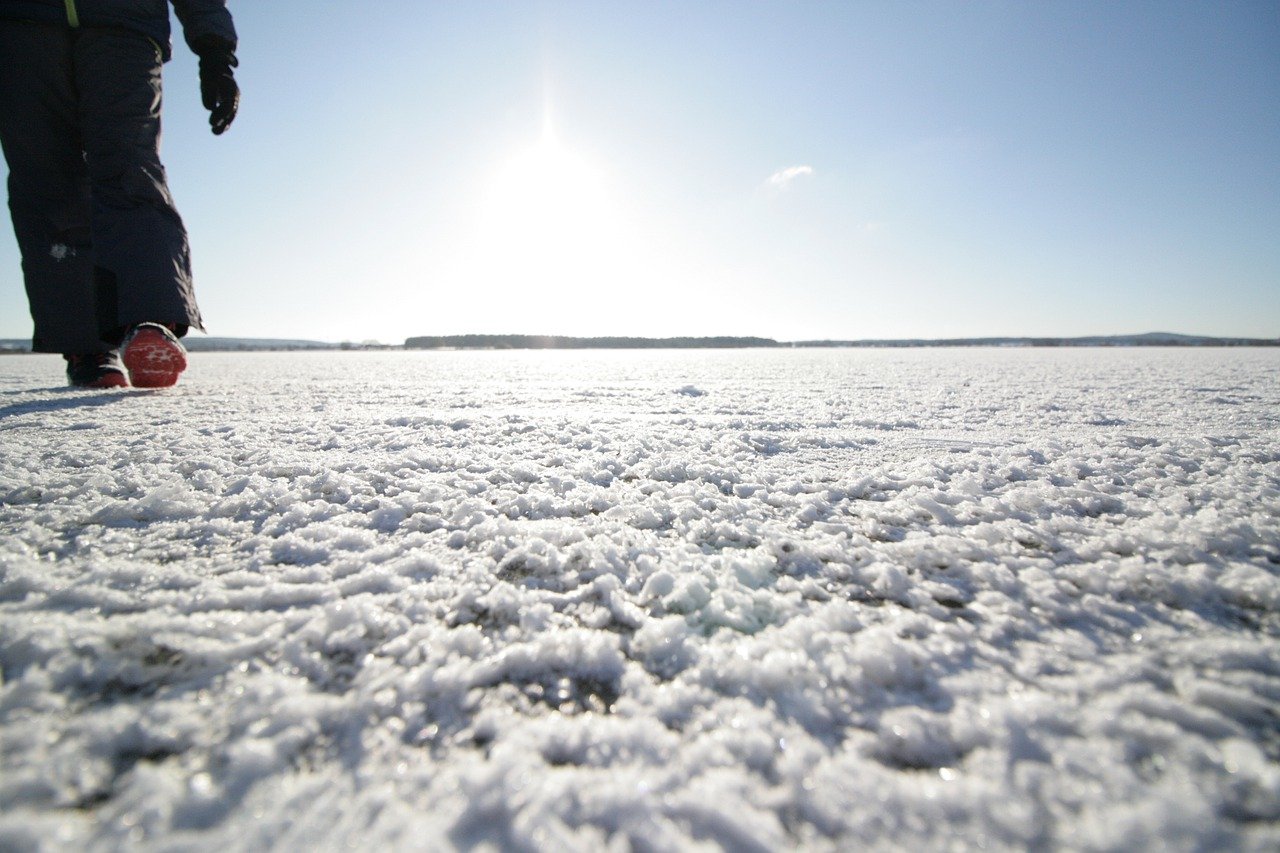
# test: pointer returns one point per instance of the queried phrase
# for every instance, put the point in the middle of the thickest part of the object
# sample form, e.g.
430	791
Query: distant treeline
560	342
201	343
1153	339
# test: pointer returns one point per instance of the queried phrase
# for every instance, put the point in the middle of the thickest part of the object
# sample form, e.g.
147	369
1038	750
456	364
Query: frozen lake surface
926	599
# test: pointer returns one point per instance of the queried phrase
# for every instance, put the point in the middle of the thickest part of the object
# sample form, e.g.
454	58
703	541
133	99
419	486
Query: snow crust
934	599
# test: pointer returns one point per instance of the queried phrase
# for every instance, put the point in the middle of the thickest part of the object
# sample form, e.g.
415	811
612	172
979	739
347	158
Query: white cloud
782	178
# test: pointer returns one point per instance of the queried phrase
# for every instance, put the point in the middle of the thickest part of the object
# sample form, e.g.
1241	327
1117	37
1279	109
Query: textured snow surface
926	599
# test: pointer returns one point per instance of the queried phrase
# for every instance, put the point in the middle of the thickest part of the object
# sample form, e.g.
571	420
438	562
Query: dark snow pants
103	247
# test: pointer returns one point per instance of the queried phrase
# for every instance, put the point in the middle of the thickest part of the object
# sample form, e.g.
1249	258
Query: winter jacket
201	19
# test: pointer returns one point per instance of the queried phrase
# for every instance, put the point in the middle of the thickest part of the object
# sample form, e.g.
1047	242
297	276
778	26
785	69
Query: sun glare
548	230
545	199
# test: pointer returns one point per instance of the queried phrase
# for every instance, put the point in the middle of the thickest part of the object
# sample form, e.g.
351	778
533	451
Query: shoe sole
153	359
110	379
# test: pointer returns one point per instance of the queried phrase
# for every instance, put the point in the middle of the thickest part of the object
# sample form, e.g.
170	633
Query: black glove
218	87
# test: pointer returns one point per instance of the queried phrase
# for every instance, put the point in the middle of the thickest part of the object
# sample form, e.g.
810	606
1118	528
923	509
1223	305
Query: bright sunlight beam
547	206
548	242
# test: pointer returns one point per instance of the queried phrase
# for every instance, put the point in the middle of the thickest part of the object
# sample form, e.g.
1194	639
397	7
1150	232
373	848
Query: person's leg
48	186
140	251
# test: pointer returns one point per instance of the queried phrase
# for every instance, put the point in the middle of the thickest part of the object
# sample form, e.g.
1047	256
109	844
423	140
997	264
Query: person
105	256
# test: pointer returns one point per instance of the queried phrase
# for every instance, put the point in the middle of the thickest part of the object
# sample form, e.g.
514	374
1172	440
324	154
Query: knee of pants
122	182
56	211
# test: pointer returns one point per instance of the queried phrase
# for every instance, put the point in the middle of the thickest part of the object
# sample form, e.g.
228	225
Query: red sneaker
95	370
153	355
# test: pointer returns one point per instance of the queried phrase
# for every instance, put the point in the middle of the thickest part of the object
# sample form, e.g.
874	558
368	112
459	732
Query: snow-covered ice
754	600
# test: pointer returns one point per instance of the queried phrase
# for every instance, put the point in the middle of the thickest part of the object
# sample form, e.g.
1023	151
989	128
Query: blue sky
793	170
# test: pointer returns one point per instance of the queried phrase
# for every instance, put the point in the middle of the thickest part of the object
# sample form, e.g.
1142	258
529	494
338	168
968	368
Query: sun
545	198
549	223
